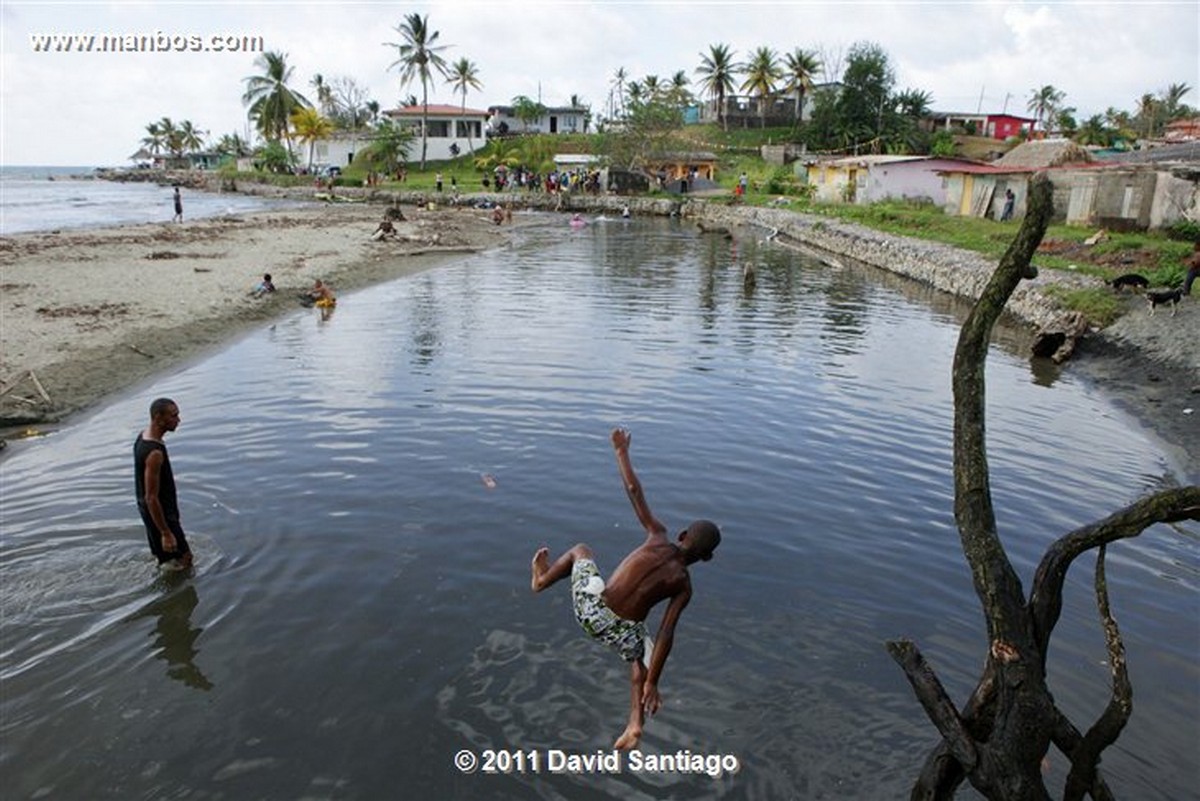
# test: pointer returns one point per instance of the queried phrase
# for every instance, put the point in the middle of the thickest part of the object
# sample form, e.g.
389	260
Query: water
361	609
51	198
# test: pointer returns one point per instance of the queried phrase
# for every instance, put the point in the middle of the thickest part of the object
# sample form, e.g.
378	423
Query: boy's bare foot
628	739
539	566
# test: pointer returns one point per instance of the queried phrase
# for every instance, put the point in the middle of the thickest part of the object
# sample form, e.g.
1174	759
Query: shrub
1184	230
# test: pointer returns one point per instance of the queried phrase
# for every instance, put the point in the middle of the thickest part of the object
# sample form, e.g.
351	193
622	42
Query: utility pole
979	108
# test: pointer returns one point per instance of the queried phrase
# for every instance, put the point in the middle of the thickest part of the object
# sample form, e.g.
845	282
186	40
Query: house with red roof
994	126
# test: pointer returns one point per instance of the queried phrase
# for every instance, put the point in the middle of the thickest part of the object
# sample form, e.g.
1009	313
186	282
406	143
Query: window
439	129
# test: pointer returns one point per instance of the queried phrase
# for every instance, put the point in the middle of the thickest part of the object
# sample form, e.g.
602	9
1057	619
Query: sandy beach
89	312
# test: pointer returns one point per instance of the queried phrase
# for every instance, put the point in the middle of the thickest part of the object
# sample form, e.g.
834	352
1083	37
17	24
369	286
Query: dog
1131	280
1163	297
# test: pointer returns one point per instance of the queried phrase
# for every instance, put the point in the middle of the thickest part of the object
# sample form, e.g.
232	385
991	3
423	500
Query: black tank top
142	448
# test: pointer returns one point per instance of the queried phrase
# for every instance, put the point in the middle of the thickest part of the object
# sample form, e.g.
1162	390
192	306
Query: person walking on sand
615	613
178	206
154	484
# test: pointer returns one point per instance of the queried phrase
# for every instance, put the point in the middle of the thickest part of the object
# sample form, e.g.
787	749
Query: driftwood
997	741
37	385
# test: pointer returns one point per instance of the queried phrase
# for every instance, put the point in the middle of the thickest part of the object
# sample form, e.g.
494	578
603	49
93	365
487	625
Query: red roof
437	109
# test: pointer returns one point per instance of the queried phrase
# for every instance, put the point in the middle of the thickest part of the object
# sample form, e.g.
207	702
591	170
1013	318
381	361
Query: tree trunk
999	739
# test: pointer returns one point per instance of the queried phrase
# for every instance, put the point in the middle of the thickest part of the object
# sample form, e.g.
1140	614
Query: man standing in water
155	485
616	614
178	206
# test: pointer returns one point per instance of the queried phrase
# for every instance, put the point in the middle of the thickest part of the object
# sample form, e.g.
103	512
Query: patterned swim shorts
628	637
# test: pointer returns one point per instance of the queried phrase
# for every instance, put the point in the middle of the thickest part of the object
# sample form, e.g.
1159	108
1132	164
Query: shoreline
87	312
193	294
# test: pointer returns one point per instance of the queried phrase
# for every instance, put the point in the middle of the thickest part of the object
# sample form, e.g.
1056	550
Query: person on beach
384	230
320	295
615	612
263	287
178	206
154	484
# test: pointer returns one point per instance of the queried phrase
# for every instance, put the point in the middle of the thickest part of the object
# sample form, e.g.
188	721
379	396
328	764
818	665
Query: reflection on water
175	636
360	610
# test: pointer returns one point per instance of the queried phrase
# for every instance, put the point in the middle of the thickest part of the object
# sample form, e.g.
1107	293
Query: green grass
1098	304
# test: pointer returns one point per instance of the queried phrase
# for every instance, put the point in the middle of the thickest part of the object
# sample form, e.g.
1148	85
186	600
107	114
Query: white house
452	130
336	151
560	119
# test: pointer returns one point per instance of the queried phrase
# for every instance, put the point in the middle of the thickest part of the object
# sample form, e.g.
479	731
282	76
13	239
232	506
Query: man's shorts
155	539
628	637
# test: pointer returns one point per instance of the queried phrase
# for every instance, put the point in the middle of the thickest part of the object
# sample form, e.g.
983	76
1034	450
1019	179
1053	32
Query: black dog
1131	280
1161	298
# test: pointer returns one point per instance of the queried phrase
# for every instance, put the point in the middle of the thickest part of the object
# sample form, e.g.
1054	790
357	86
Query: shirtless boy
615	614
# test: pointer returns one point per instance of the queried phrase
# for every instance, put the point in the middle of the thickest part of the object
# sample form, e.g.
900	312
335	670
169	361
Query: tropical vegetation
418	57
808	96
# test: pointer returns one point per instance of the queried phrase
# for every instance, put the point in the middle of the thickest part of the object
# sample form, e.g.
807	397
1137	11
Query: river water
364	492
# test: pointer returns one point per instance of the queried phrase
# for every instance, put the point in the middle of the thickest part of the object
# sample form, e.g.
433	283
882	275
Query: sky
91	108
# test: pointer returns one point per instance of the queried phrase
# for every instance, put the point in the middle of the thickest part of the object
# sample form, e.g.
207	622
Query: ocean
52	198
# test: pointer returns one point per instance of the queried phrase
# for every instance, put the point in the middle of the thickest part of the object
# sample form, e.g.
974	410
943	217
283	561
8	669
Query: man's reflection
175	637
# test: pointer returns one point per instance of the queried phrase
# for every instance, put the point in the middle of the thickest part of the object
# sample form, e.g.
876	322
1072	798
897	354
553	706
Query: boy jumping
615	614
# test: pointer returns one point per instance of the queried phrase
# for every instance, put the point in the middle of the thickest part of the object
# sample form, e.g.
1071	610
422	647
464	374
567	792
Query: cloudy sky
85	109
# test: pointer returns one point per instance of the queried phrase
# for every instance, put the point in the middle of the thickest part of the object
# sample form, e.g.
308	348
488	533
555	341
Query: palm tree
761	71
680	95
634	91
1172	99
799	67
652	86
1043	102
527	110
1094	132
191	139
465	75
619	78
232	145
269	97
171	137
310	126
716	71
154	140
324	93
1147	112
418	58
373	110
913	103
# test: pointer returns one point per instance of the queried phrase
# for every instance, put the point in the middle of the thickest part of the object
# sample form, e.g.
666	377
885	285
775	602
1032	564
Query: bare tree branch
1108	727
1168	506
996	583
937	703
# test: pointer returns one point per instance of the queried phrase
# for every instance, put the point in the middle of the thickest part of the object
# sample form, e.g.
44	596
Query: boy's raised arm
633	488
